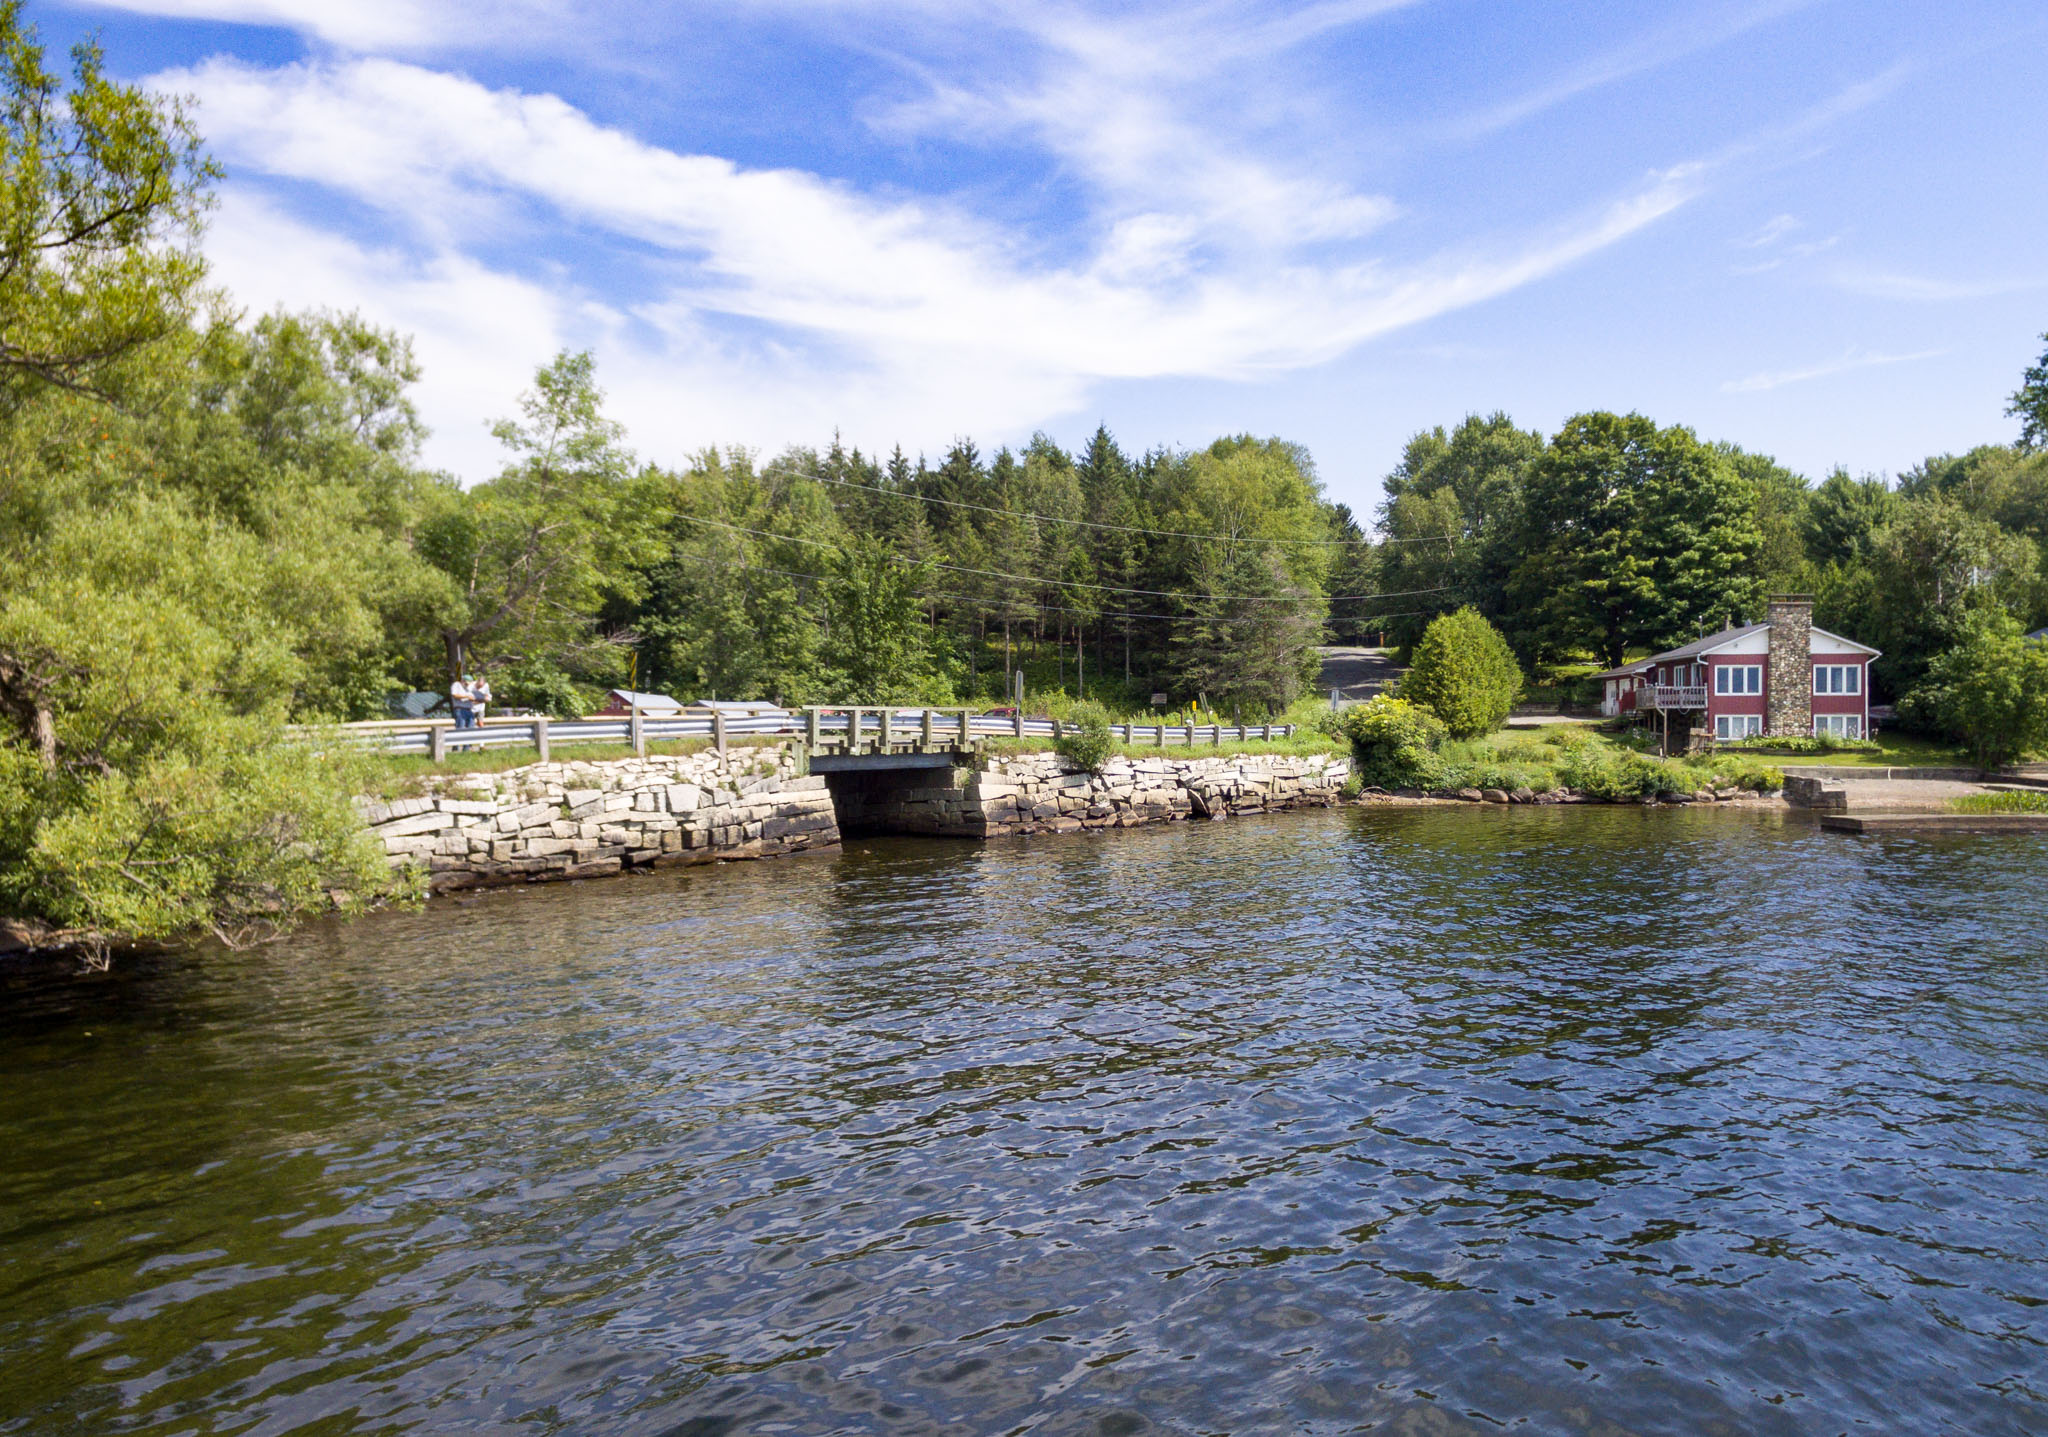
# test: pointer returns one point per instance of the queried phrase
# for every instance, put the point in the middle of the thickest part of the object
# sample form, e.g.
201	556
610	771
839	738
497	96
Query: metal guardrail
838	729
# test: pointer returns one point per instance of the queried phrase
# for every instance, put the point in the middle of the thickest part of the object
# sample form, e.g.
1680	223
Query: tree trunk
452	643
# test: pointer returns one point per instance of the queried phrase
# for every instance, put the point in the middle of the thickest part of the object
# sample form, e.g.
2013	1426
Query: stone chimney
1788	703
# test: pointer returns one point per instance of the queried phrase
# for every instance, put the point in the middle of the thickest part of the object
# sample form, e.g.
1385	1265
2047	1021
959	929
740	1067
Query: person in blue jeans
461	699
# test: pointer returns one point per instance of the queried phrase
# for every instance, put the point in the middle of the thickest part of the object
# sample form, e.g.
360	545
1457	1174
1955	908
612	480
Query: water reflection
1426	1120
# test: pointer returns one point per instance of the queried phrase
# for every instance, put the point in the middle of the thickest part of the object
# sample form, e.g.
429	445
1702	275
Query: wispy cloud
363	25
774	291
1891	284
1853	359
1660	47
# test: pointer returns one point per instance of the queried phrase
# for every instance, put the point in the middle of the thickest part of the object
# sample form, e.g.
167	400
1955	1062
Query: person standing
479	699
461	698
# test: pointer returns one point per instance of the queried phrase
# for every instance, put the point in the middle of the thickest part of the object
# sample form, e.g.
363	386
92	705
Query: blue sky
1819	229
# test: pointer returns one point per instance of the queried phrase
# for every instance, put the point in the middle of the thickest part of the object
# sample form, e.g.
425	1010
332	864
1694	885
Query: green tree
1635	536
2029	404
1844	517
101	191
1464	673
1248	644
1989	689
1452	521
879	648
148	785
536	552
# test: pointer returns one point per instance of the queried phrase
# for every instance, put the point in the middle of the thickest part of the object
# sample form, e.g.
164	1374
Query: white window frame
1731	678
1734	726
1840	725
1842	681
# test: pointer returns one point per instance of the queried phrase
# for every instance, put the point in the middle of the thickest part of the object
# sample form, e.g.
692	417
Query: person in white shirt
460	699
479	699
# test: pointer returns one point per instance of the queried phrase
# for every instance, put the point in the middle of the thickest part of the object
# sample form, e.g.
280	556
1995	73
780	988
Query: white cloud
1853	359
1772	231
367	25
780	304
1888	284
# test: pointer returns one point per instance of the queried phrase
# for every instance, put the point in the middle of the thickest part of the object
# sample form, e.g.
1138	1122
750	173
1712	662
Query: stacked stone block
583	820
1039	793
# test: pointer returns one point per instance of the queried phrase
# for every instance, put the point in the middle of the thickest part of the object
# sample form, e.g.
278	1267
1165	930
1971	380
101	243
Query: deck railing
838	729
1678	697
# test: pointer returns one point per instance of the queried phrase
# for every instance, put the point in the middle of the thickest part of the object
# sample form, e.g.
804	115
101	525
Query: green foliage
2034	802
1464	673
1394	743
2029	404
101	189
1989	690
148	786
880	649
1635	536
1085	740
535	554
1453	519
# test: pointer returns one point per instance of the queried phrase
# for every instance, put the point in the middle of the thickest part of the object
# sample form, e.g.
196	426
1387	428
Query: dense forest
215	526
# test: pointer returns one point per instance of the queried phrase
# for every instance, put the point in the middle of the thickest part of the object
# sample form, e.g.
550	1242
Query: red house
1782	677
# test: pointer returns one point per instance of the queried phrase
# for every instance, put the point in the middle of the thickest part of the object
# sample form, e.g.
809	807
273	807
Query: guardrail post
1267	732
1215	735
717	729
1020	720
1191	736
636	733
437	743
540	737
927	728
888	728
966	733
811	726
1162	734
1056	731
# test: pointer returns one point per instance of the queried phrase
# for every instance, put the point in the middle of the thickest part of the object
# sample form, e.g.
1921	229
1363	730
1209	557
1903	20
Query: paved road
1356	673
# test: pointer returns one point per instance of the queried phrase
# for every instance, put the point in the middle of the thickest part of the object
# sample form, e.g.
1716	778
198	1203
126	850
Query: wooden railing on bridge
823	729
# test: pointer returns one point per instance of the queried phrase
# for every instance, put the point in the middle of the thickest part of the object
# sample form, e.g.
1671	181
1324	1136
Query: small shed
620	703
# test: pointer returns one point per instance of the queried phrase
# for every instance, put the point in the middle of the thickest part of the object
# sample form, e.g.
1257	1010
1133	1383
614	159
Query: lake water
1423	1120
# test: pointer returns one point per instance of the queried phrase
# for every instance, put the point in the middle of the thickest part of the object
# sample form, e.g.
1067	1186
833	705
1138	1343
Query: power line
1090	523
1069	583
1052	608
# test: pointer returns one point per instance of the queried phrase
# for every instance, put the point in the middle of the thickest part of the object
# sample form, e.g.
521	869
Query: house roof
1623	672
645	701
2039	634
1707	645
1726	637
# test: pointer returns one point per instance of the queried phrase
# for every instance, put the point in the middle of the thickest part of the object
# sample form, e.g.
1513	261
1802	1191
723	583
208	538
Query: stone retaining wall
582	820
1037	793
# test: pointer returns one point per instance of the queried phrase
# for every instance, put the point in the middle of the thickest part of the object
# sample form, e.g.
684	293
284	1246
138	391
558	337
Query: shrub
1464	673
1393	742
1990	691
1085	740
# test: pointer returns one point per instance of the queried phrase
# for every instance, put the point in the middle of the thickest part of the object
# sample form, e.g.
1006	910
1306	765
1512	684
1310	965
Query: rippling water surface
1431	1121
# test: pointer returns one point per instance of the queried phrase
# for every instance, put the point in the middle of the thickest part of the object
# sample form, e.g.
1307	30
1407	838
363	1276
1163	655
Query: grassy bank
1598	765
2001	803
